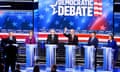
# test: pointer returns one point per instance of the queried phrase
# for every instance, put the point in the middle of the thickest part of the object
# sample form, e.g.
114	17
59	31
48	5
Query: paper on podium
51	45
89	46
15	45
32	45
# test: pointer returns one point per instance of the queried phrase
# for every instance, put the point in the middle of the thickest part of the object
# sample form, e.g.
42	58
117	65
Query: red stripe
99	0
97	14
98	11
99	6
62	36
95	0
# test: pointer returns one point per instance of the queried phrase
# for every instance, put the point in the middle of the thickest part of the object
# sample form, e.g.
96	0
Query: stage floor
62	69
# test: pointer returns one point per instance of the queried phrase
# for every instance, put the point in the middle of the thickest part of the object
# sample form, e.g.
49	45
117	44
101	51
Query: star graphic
54	8
71	23
14	23
103	27
57	22
41	17
30	25
19	17
47	9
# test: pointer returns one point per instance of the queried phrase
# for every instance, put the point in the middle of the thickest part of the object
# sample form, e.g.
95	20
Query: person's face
11	34
31	33
52	32
72	32
93	34
110	38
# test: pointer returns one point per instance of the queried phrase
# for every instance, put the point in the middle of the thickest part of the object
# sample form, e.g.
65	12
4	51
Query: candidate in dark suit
10	53
52	38
112	43
93	41
72	38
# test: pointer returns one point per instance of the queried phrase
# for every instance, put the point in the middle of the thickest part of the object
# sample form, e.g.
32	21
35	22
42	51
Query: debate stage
62	69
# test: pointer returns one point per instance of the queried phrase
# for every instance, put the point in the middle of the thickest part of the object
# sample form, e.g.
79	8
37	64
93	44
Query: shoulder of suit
56	34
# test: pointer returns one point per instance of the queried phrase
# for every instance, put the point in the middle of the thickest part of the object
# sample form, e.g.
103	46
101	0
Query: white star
71	23
19	17
64	19
30	24
78	28
54	9
103	27
41	17
48	20
83	20
47	9
57	22
76	17
14	23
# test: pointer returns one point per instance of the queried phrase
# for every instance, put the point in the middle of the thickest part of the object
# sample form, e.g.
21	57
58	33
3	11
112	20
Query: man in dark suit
52	37
72	38
94	41
10	52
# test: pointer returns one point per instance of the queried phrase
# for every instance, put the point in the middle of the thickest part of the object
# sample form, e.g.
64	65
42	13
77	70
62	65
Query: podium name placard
30	54
50	55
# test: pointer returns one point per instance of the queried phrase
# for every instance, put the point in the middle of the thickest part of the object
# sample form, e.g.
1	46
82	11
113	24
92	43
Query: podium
89	57
30	49
107	58
50	55
70	57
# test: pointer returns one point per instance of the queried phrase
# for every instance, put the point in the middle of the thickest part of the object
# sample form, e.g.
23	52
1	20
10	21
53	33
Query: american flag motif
97	7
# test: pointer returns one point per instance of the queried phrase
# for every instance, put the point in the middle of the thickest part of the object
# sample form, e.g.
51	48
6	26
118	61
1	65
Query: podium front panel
108	57
30	54
50	55
89	57
70	57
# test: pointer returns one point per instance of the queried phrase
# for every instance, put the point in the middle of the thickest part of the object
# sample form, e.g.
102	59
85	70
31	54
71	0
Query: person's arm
65	32
89	41
26	41
14	40
48	39
57	39
114	44
76	40
96	45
